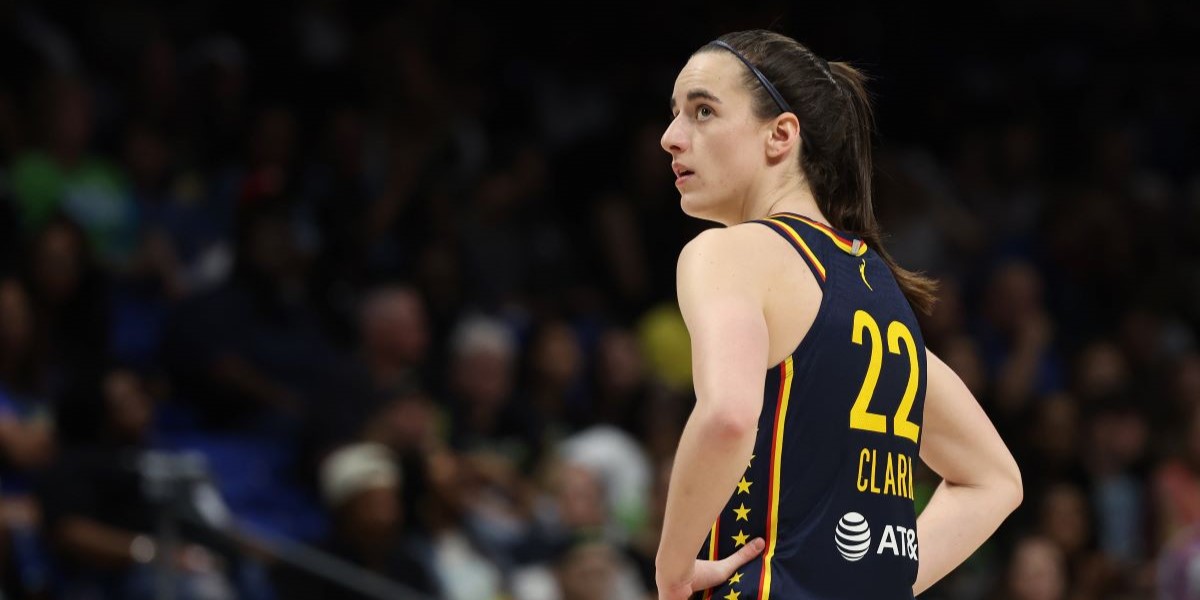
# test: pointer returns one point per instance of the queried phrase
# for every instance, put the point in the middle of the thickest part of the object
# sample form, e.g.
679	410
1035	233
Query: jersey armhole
802	248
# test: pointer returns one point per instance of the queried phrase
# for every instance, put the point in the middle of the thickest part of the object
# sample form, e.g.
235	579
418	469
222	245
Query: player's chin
694	205
705	209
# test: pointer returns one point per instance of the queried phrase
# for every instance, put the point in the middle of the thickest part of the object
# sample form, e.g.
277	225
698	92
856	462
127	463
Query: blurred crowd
402	274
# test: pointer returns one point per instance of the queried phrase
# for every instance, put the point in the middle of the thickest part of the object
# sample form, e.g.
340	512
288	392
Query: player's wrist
672	572
680	591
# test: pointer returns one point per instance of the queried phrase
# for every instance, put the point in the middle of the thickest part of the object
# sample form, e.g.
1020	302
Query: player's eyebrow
700	93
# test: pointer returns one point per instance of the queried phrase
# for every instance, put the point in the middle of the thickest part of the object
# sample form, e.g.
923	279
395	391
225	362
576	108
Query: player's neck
793	199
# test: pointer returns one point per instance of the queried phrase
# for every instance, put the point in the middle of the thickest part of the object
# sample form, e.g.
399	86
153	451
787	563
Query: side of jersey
830	484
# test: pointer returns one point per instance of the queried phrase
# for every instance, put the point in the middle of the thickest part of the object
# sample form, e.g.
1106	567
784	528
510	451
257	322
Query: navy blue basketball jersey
830	483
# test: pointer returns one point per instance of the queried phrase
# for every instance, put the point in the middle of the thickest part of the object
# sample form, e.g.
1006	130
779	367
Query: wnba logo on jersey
853	536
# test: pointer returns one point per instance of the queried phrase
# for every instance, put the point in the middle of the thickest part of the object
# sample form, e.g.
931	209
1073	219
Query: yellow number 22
860	415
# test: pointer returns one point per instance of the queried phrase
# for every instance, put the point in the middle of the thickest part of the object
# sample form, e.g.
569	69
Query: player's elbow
1014	489
1004	483
728	423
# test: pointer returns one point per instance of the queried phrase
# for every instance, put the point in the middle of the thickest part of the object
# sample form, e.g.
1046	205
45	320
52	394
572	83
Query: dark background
267	231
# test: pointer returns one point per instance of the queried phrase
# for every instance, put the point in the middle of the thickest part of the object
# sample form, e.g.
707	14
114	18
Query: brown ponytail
837	123
849	204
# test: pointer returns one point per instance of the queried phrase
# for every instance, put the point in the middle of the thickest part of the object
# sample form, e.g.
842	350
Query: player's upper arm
960	443
720	291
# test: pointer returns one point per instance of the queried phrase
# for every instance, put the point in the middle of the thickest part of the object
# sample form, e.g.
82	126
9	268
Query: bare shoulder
735	260
744	247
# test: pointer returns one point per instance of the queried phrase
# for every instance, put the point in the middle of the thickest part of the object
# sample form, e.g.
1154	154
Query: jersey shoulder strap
815	242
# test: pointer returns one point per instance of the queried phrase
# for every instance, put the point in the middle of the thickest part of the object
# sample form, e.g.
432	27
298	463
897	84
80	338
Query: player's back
830	486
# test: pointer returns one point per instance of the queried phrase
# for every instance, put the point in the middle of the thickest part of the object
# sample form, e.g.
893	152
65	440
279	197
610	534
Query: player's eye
703	111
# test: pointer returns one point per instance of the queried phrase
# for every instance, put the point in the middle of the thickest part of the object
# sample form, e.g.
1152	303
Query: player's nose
674	139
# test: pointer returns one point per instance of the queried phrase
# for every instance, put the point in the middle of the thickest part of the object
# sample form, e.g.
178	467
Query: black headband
783	105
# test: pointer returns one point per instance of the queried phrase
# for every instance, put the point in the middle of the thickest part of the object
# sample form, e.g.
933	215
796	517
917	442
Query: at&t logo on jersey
853	539
853	536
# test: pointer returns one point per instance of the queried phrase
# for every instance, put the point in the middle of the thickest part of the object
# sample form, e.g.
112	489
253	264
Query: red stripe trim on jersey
799	243
781	406
846	244
712	551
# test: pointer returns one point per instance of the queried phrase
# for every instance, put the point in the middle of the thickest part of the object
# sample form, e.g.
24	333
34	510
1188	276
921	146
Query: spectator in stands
1176	484
1115	454
65	175
101	519
595	571
578	519
360	484
466	565
1018	336
70	297
553	367
251	354
1037	571
621	381
489	419
395	338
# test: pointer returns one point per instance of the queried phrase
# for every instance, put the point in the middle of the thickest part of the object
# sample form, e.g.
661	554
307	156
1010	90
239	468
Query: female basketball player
814	391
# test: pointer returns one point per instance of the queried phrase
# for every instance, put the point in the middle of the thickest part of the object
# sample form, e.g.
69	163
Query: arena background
287	288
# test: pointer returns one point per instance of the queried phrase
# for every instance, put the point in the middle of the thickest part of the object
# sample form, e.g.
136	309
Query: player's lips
682	172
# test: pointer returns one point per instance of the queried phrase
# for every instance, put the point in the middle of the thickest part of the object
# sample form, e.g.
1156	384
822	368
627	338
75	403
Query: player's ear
783	133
